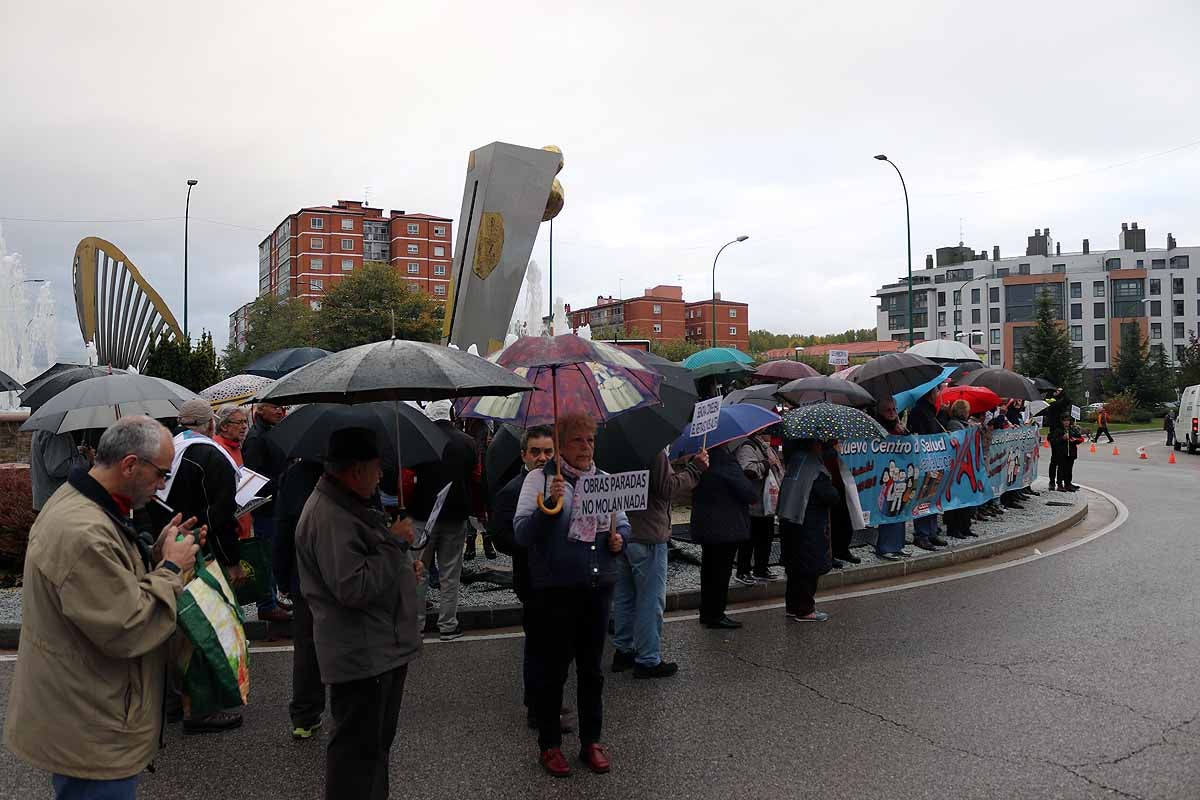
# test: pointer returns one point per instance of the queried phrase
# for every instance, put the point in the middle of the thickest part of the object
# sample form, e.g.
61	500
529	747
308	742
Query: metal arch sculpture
118	310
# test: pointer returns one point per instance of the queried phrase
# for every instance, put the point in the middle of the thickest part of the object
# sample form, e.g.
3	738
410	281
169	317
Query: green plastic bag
257	567
214	660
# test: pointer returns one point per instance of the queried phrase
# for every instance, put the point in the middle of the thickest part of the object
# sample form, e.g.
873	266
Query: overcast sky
682	124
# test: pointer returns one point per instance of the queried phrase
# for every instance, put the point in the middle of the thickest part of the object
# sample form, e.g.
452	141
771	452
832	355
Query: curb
509	616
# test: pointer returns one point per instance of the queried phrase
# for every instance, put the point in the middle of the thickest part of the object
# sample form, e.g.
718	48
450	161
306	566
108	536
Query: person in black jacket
263	456
449	537
307	706
720	522
805	500
922	420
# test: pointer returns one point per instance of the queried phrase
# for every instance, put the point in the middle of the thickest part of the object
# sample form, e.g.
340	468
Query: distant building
239	325
732	328
312	249
661	314
855	349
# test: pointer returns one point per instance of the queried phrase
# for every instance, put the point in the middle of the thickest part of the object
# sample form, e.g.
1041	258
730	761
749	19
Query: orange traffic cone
1046	442
1171	460
1116	452
1093	448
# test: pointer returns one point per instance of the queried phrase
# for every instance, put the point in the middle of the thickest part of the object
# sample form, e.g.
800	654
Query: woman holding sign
572	570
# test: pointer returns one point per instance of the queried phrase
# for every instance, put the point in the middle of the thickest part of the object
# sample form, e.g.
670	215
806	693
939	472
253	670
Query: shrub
1119	407
1141	416
16	514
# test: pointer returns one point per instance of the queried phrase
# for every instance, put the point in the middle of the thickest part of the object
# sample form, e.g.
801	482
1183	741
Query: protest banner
705	416
601	495
839	358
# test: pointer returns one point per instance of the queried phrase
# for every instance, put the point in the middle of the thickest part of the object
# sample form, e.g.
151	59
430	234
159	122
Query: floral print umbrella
236	389
827	422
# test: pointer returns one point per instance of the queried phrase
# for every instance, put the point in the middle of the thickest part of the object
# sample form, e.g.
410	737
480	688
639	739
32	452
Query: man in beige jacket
98	608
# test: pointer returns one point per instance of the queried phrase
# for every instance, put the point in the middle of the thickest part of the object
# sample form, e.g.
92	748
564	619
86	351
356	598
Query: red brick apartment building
662	314
311	250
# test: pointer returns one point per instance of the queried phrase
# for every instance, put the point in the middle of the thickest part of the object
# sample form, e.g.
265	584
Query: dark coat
263	456
456	467
721	501
205	487
808	546
500	527
923	418
295	486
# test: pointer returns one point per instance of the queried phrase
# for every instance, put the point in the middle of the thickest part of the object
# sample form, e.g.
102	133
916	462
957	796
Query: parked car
1090	412
1187	421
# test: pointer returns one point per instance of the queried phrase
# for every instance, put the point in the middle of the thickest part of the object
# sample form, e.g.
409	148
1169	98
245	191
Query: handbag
214	659
252	556
770	496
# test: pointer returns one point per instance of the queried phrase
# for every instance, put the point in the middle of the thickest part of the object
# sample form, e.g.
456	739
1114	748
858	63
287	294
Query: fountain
26	322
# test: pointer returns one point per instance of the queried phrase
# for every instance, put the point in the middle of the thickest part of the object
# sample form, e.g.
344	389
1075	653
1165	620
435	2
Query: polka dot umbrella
236	389
826	422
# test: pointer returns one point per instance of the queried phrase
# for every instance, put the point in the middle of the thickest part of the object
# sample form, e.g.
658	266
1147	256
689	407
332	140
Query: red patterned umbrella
980	398
784	371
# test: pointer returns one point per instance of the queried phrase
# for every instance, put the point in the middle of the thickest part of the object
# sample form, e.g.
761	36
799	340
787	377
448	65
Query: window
316	285
1022	301
656	309
1177	331
1127	298
347	244
975	296
347	264
1078	353
1179	352
315	305
732	331
1112	263
995	336
1158	263
994	294
316	244
1155	286
1076	333
413	229
958	316
439	269
439	289
1155	330
733	313
439	251
657	328
941	298
1097	288
439	230
1156	308
941	318
1098	310
1076	310
1177	286
1198	284
994	358
413	250
1178	304
1076	291
1099	333
976	316
1022	269
897	321
1002	272
316	264
1058	267
316	224
1141	263
414	269
1099	354
347	224
958	297
1179	262
993	315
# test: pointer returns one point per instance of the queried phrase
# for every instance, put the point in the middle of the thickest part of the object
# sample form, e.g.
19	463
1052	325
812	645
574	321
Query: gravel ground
681	572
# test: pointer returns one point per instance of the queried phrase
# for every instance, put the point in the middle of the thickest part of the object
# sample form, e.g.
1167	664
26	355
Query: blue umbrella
736	422
908	399
716	355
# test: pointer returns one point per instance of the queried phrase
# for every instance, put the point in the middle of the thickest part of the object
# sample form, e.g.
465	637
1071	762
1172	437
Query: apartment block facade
311	250
990	303
661	314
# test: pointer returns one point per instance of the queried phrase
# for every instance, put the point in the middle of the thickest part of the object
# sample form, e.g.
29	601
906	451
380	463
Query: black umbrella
53	369
97	403
40	390
762	395
281	362
1043	385
9	384
304	433
965	368
825	389
395	370
1003	382
894	373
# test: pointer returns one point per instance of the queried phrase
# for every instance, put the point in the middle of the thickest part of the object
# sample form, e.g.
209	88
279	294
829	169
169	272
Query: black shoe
489	550
663	669
890	556
214	723
723	623
970	534
924	544
939	541
850	558
1072	488
956	534
838	564
451	635
621	661
469	550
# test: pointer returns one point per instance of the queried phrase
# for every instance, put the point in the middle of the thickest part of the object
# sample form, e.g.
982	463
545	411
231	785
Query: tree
1161	376
177	361
1132	374
674	349
373	304
1047	352
272	323
1189	364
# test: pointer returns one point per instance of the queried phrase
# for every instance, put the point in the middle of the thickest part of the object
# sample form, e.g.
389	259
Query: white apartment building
990	303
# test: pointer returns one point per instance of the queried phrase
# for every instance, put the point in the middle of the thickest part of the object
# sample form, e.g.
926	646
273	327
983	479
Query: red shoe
596	759
555	763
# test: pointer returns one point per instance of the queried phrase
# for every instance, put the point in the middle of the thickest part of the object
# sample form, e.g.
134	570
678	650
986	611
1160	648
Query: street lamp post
714	294
908	231
187	208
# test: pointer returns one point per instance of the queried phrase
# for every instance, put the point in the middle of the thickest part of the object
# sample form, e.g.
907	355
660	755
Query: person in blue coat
720	523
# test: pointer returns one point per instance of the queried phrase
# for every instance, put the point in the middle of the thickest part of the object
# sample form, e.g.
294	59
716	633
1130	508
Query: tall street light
186	212
908	230
714	295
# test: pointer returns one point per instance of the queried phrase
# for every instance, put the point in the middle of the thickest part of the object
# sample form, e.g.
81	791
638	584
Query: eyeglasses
165	474
235	422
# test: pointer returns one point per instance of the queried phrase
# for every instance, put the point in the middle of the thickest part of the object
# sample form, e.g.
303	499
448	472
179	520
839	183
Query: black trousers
758	547
840	529
561	625
365	714
801	591
958	520
308	692
716	565
1058	455
1103	429
1066	472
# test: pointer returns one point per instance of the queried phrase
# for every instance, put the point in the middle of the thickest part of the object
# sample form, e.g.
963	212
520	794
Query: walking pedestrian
720	523
922	420
640	597
1102	425
805	500
889	537
764	468
98	608
572	570
1169	427
357	575
262	455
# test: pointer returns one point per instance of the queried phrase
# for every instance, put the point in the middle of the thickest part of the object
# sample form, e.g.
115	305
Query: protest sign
1076	412
839	358
705	416
601	495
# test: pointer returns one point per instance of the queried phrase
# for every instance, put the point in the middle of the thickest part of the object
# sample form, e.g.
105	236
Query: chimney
1037	231
1135	226
1058	248
983	255
1124	226
1171	242
1047	231
928	261
996	253
718	295
1086	247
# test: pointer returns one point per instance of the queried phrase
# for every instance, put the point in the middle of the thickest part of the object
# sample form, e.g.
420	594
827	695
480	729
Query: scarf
583	529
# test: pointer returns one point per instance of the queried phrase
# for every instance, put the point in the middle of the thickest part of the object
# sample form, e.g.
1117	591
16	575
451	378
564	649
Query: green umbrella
716	355
721	370
826	422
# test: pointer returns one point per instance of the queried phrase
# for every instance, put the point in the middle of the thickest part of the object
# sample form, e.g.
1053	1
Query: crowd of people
350	564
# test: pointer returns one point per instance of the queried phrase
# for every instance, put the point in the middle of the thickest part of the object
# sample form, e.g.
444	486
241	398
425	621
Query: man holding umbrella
265	458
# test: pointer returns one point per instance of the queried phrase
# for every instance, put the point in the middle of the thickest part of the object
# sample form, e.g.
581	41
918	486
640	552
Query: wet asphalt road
1074	676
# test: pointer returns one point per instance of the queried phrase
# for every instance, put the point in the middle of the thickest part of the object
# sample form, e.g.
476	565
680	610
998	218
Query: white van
1187	420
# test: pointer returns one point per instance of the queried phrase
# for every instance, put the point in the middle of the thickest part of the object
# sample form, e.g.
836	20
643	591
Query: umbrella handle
556	509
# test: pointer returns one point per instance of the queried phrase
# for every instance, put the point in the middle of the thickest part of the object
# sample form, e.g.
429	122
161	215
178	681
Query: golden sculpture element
554	203
489	244
553	148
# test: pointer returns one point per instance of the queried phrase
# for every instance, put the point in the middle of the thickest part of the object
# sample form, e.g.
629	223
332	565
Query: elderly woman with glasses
232	422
